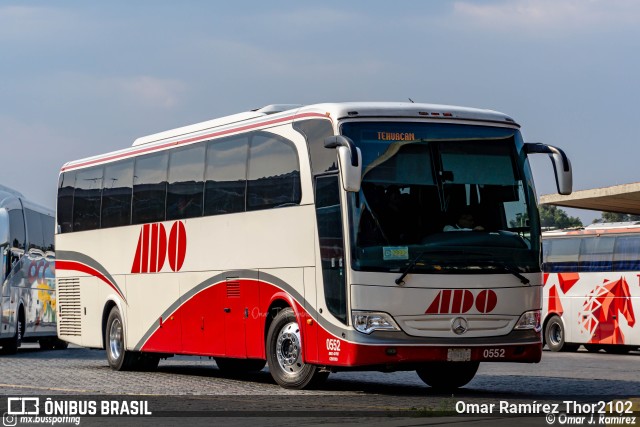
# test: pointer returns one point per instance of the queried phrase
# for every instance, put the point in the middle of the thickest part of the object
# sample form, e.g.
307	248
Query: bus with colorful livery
312	239
592	287
27	269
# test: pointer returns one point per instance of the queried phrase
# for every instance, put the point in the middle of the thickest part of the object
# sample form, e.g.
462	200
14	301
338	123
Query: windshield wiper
505	267
512	270
400	280
407	270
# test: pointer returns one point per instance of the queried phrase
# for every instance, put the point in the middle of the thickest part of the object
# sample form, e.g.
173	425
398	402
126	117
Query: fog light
391	351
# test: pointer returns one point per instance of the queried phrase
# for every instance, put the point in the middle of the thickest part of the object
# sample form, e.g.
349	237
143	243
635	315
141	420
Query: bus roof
597	229
9	197
282	113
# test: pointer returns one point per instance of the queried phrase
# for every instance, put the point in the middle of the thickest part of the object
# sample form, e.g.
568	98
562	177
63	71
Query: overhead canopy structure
619	199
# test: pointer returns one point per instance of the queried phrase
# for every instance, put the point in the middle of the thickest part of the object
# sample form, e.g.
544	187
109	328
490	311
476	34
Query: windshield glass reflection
456	196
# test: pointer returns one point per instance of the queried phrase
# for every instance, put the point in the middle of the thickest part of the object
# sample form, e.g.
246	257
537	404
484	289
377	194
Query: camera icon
9	420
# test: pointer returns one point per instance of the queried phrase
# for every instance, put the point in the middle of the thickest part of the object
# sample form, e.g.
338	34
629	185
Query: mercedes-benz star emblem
459	325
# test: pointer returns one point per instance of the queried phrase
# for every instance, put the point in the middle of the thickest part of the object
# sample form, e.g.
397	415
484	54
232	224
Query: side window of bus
626	254
35	232
86	199
185	188
273	177
225	175
562	255
596	253
66	188
116	194
315	131
48	226
16	229
150	188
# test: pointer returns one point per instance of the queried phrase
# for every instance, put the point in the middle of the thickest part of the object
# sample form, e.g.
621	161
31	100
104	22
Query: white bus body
309	237
592	288
28	304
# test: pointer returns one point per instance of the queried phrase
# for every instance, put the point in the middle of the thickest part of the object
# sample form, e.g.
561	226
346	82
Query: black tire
58	344
239	366
592	348
554	334
284	354
11	345
47	343
119	359
447	376
145	362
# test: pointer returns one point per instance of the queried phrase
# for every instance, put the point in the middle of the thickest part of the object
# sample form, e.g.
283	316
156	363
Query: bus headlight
369	321
530	320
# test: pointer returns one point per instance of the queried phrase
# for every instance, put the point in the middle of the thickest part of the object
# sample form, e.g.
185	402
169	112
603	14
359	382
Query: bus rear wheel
447	376
284	354
119	359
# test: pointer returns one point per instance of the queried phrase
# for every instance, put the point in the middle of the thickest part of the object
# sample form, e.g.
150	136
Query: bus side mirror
349	160
4	227
561	165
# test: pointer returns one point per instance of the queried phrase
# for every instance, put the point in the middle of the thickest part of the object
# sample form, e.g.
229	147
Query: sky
84	78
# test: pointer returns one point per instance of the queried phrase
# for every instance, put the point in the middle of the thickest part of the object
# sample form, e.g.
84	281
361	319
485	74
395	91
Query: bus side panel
202	316
596	308
36	293
148	297
310	328
90	289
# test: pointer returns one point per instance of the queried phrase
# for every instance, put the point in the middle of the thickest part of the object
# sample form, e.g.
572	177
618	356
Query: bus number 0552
333	345
493	353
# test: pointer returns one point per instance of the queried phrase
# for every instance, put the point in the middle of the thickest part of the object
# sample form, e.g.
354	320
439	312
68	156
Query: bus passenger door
241	297
329	217
4	293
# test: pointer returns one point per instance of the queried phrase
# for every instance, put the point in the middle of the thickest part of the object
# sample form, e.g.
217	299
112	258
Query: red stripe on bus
189	140
83	268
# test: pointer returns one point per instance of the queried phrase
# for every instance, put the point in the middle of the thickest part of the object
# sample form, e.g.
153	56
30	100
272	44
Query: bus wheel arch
275	307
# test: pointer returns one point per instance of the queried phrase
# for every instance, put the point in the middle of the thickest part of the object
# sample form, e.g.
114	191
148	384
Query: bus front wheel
284	354
12	344
446	376
119	358
554	336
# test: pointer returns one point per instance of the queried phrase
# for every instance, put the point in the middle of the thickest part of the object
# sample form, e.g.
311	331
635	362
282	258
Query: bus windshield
442	198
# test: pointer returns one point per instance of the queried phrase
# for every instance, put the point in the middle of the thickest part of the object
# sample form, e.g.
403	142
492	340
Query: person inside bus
465	222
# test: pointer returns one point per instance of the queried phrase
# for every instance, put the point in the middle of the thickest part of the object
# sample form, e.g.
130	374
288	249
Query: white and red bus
309	238
27	269
592	287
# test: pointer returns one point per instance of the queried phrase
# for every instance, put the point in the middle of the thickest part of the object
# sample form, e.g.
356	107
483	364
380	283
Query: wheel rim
19	331
555	334
289	349
115	339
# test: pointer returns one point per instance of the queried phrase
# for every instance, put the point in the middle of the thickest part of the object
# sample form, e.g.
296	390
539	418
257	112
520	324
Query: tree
554	217
616	217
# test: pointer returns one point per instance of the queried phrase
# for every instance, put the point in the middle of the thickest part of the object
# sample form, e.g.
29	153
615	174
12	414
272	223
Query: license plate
459	355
